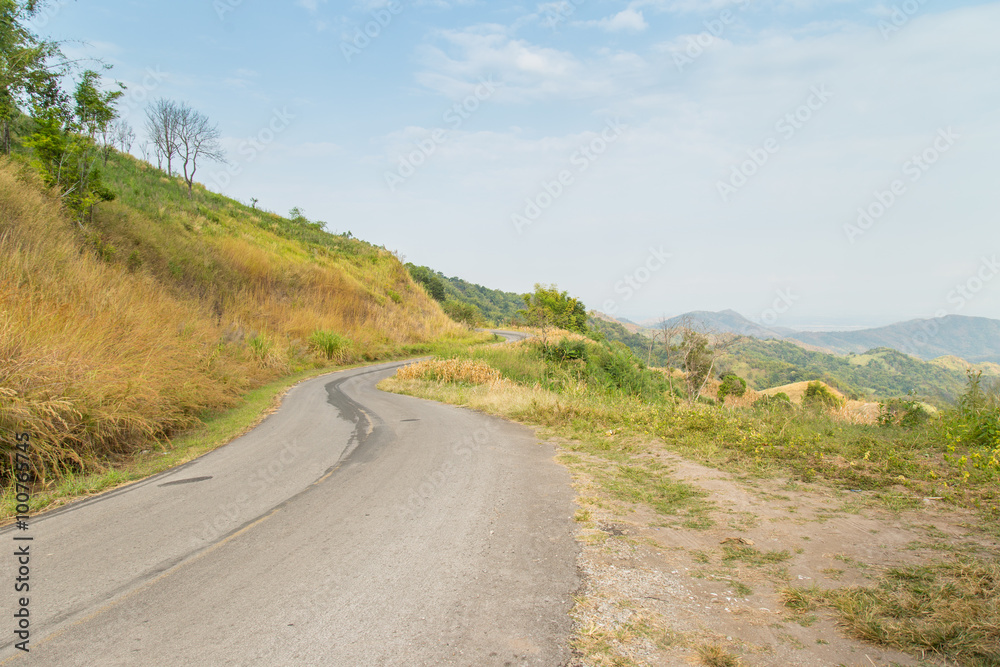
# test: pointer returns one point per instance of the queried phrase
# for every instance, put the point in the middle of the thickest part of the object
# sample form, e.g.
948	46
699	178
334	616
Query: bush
331	344
732	385
565	350
464	313
902	412
779	401
819	396
976	420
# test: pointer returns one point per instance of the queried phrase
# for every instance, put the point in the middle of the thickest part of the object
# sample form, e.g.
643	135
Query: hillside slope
162	308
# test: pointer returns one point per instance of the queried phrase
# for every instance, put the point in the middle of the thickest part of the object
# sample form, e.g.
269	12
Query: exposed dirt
657	591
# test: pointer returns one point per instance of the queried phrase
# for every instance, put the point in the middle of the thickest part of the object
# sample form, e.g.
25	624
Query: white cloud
626	20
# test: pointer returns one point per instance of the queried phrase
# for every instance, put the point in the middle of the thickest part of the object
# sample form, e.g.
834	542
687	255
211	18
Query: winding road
352	527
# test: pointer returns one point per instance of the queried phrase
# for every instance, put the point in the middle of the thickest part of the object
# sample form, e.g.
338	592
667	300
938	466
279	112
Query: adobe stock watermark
961	295
454	118
632	282
581	160
136	97
783	302
714	30
557	13
370	31
250	148
786	127
900	15
223	7
914	169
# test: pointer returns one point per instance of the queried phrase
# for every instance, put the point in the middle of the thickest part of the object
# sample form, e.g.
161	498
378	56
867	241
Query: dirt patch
659	592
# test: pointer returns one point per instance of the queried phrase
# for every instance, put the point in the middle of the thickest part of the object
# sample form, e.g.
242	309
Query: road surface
352	527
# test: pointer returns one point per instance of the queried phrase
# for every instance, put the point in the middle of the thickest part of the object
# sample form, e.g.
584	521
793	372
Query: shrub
732	385
819	396
464	313
565	350
779	401
906	413
331	344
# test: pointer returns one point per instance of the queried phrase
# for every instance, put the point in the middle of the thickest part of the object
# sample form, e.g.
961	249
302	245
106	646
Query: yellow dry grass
465	371
797	390
99	359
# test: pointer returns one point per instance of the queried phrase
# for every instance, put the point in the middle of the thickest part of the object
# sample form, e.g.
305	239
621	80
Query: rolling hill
971	338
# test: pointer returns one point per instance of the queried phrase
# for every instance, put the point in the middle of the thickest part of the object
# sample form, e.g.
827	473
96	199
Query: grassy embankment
611	411
164	312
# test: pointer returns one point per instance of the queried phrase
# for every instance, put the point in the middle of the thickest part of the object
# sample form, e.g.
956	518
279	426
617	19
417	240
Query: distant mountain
878	374
974	339
727	321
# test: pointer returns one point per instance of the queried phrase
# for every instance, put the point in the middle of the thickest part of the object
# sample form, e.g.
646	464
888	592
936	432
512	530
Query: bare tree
695	349
162	117
122	135
196	139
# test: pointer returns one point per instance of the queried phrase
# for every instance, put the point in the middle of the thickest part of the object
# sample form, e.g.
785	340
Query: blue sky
800	161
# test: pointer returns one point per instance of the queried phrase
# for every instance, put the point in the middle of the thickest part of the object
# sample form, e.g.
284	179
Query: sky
803	162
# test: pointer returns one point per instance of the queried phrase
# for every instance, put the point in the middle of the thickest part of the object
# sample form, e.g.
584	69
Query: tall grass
119	334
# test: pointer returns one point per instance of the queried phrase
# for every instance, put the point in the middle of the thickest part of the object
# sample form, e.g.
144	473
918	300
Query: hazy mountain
974	339
727	321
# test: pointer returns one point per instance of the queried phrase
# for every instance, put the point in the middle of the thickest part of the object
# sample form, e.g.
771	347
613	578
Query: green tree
28	65
547	306
431	282
732	385
464	313
63	141
95	110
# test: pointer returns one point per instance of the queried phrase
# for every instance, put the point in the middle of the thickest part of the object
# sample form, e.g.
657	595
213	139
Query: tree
732	385
464	313
161	127
196	139
695	351
63	141
122	135
431	282
547	306
95	110
28	65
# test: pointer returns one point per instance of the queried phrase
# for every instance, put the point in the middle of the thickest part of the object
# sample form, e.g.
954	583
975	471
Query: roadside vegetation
135	305
117	335
607	409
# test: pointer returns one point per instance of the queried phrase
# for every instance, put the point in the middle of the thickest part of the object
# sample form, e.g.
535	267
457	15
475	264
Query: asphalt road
352	527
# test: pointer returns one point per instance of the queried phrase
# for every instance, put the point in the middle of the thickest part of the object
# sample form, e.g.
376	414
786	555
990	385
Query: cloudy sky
800	161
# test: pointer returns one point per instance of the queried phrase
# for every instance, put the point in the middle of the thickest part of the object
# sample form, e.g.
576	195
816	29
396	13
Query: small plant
134	261
329	343
716	656
260	347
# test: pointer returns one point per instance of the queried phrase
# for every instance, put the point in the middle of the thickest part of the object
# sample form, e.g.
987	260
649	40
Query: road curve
352	527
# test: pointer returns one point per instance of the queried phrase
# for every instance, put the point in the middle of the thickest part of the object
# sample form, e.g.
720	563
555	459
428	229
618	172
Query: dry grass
949	608
464	371
121	334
